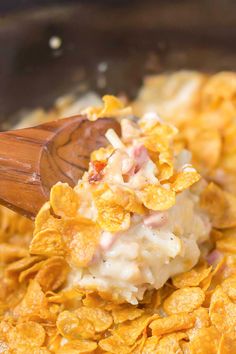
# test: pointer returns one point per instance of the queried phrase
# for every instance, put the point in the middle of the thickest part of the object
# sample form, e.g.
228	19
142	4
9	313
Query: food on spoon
132	221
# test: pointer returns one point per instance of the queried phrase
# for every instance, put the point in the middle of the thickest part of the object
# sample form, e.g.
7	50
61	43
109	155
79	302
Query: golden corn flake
53	273
34	303
150	345
158	129
48	243
9	253
184	180
129	331
155	143
227	244
227	343
216	235
202	320
22	264
100	318
165	165
191	278
43	219
170	344
114	344
156	197
30	272
222	310
206	148
26	334
78	347
64	200
113	107
122	313
184	300
229	287
220	205
102	153
219	87
111	216
72	327
172	323
206	341
81	237
127	199
93	300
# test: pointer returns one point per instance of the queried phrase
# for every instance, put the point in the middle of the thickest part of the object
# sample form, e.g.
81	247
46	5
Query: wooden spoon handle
32	160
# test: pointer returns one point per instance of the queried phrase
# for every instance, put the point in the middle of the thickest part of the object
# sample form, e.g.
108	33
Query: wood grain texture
32	160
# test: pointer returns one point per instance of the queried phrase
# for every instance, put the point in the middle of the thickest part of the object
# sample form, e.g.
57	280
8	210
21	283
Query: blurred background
49	48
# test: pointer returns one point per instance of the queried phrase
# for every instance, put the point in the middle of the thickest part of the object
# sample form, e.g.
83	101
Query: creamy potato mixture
138	257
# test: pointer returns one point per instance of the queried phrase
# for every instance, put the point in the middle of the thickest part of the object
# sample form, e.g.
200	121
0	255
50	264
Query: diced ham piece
157	219
213	257
140	155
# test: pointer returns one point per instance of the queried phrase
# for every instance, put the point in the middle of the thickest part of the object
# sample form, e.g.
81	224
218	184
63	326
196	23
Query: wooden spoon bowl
32	160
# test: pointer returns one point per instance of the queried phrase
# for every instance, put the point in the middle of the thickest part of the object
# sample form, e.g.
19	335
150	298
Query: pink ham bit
214	257
157	219
140	155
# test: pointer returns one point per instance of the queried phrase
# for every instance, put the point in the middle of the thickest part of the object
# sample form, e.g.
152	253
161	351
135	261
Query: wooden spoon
32	160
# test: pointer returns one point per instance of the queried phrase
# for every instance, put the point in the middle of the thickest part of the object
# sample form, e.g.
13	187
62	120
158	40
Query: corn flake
127	199
206	341
227	343
155	143
229	287
184	180
78	347
48	243
26	334
222	310
9	253
100	318
227	244
114	344
191	278
165	165
64	200
172	323
30	272
102	153
170	343
22	264
72	327
202	320
111	216
207	151
157	198
122	313
220	205
150	345
52	274
81	237
184	300
34	304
